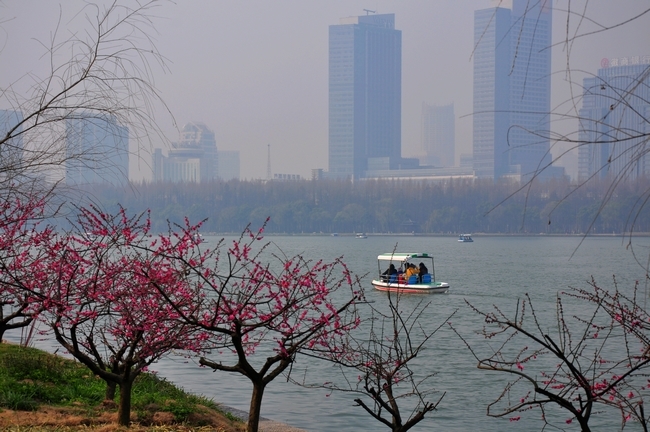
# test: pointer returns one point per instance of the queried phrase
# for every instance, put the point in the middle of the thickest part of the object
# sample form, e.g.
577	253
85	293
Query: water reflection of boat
465	238
361	235
397	283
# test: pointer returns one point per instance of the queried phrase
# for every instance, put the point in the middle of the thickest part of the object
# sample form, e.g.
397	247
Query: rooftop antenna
268	163
368	11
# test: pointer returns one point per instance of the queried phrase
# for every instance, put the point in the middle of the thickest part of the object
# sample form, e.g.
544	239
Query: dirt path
266	425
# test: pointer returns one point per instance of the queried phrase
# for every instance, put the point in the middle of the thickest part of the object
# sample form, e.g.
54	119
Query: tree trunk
110	391
255	408
124	410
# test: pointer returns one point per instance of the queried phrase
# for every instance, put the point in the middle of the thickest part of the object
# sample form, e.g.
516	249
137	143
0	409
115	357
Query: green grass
30	378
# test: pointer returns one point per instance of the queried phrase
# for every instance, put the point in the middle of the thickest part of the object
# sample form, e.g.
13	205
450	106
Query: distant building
11	151
466	161
438	135
97	151
365	95
614	125
286	177
425	174
194	158
317	174
512	89
228	165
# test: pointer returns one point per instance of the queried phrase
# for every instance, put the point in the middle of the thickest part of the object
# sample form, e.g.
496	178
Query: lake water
491	270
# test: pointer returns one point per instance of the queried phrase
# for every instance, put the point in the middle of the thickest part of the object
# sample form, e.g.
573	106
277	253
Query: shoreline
265	425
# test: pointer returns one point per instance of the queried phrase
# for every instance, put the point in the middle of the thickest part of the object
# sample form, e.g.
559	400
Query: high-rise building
365	95
438	135
97	150
512	89
613	123
11	151
194	158
229	165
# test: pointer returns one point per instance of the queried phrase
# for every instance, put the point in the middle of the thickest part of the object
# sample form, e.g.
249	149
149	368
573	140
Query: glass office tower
438	135
512	89
11	151
97	148
365	95
614	126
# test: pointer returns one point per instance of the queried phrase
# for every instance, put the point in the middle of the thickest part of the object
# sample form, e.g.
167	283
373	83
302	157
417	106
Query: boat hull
432	288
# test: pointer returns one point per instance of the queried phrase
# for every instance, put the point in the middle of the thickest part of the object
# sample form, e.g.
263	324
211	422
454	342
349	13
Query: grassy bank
40	391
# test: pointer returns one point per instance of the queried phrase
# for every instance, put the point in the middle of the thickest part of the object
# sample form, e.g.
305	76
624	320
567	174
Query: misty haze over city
259	188
256	73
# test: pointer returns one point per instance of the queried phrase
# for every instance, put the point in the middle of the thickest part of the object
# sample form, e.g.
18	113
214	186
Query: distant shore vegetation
389	206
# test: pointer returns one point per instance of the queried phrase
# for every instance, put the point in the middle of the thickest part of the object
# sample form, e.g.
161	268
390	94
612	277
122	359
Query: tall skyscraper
229	165
614	126
439	135
512	89
11	151
97	150
365	95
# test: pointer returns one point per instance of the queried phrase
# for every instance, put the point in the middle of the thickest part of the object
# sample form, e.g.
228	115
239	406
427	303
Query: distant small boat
361	235
465	238
334	234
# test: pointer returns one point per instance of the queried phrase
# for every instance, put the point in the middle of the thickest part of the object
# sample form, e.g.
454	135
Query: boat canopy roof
403	256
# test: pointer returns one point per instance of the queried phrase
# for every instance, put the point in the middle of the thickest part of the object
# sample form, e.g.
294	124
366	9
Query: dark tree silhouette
379	365
589	364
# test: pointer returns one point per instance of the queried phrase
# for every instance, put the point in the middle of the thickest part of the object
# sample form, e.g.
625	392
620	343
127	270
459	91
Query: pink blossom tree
261	308
23	263
102	309
587	365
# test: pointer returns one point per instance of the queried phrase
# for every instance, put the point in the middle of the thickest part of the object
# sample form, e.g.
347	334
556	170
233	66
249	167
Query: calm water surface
492	270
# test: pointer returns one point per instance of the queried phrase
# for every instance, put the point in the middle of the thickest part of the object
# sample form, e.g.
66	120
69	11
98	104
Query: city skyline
257	71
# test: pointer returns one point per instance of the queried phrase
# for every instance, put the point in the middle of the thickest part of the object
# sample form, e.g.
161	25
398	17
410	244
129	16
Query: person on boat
423	270
410	271
391	270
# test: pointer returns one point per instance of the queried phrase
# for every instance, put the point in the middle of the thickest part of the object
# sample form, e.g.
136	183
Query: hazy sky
256	71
